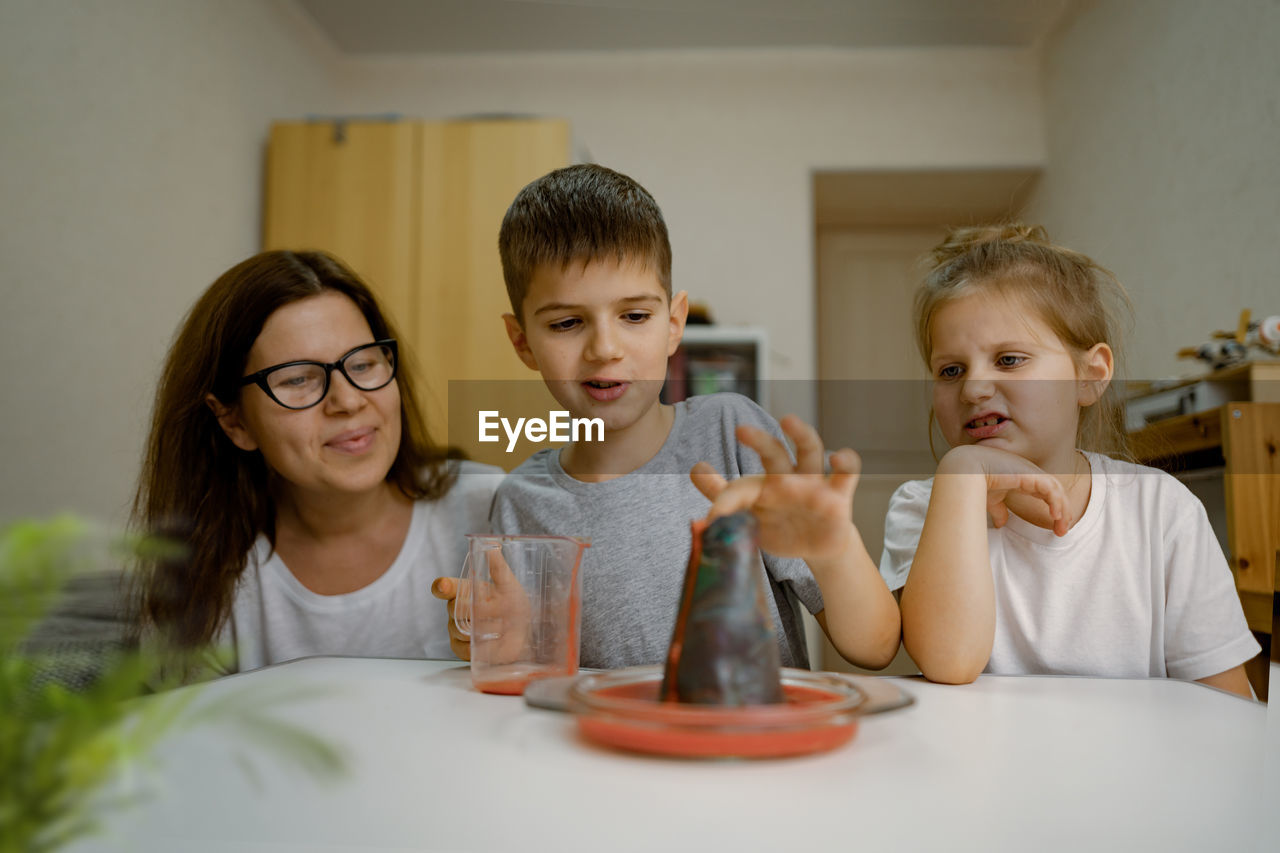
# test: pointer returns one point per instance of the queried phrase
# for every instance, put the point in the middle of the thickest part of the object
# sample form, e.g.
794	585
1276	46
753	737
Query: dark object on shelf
712	359
724	650
1228	349
699	314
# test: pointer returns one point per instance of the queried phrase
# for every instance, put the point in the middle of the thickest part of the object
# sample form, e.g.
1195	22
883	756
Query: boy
587	265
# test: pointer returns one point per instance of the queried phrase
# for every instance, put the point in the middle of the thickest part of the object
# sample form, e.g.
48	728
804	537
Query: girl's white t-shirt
1138	588
275	618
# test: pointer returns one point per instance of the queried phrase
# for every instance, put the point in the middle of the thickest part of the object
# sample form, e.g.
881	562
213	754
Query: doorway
872	232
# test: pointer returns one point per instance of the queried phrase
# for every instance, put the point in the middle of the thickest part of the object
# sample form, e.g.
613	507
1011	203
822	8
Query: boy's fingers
739	495
445	589
707	480
808	445
773	453
846	468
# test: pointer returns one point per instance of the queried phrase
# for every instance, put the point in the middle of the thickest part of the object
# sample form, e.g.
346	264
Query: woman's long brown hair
199	488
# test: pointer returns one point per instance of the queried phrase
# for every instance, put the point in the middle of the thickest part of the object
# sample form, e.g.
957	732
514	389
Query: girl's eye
1010	360
636	316
951	371
564	325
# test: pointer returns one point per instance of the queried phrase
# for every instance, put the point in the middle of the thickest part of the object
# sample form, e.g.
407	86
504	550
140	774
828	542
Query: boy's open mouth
603	390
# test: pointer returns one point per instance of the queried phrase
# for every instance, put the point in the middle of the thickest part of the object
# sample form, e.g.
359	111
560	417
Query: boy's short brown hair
581	213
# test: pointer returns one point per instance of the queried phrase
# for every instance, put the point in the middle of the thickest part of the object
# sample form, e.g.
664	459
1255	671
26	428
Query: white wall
1163	121
130	167
727	142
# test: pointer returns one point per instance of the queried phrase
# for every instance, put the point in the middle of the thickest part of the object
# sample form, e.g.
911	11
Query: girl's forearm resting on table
1234	680
860	616
948	603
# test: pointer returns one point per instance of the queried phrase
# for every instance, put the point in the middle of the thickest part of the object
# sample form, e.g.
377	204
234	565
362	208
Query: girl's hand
802	511
1008	474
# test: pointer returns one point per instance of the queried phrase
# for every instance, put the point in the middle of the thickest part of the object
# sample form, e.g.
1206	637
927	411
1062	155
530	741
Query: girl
1087	565
287	453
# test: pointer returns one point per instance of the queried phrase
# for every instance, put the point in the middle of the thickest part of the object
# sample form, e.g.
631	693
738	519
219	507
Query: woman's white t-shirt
1138	588
275	618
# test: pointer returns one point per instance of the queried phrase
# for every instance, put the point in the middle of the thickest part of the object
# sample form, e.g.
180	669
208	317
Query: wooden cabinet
1240	443
414	207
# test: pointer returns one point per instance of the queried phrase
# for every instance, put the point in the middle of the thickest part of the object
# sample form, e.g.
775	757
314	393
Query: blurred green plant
61	749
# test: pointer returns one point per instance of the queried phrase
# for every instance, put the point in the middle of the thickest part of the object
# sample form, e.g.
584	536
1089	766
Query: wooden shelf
1177	437
1248	437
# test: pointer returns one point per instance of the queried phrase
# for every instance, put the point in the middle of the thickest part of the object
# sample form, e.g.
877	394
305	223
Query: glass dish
621	709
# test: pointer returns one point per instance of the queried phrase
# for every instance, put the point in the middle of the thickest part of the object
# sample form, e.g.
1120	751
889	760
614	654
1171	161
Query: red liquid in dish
758	731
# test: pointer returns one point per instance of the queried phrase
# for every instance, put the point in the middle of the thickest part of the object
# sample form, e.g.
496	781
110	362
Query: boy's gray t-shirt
638	525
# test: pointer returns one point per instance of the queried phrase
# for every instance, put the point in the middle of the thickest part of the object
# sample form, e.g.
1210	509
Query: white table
1026	764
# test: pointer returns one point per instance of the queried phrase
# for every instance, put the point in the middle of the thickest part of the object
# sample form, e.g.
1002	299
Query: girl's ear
519	341
232	424
1097	367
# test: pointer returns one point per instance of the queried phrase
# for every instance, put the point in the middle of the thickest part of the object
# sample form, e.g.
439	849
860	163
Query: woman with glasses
287	452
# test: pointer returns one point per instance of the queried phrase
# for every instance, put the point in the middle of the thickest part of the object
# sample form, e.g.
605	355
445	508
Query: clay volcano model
724	650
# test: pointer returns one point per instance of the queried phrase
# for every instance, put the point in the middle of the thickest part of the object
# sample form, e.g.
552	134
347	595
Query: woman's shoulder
477	474
470	494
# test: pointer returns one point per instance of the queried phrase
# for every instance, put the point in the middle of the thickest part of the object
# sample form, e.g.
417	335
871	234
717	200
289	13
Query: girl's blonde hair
1080	301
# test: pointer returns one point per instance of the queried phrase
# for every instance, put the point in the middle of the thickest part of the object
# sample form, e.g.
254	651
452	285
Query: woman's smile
353	441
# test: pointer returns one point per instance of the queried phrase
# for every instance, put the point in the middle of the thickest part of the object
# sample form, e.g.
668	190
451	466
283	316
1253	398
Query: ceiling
416	27
933	197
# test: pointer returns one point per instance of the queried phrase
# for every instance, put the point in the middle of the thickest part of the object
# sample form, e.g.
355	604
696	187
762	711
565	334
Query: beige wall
727	143
134	133
1163	121
130	168
132	153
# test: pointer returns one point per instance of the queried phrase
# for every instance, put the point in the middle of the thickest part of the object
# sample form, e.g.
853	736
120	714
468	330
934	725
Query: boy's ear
519	341
1098	367
679	314
232	424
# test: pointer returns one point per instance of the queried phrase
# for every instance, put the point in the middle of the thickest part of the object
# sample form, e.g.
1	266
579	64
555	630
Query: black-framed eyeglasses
303	384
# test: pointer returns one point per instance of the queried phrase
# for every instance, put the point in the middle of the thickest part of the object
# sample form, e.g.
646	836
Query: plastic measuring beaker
519	599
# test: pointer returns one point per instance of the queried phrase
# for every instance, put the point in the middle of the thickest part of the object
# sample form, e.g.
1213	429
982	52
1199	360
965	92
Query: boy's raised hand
803	511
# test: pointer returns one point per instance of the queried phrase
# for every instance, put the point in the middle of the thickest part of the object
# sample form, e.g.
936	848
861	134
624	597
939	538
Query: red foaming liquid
758	731
504	687
512	679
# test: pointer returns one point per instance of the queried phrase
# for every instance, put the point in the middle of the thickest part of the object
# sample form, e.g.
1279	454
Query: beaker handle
461	602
